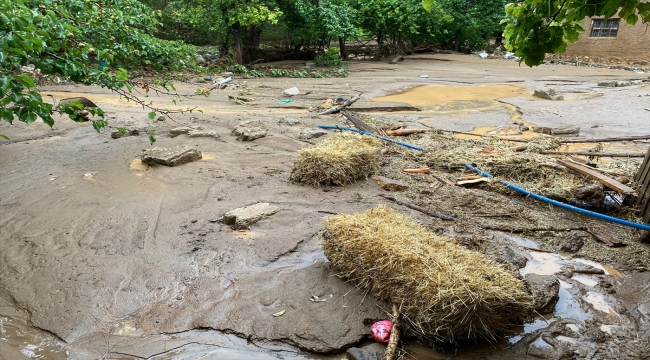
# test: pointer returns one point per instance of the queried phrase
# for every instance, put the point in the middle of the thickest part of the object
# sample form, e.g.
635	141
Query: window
604	28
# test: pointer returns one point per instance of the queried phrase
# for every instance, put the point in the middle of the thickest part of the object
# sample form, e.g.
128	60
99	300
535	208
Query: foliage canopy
89	42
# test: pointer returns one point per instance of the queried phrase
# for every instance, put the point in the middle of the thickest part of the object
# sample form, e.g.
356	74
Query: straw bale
446	293
338	160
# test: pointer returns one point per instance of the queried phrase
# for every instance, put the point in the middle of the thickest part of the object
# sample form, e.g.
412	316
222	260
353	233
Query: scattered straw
447	293
338	160
533	171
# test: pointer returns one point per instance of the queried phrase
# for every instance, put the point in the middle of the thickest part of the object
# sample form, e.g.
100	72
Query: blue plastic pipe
563	205
330	127
509	185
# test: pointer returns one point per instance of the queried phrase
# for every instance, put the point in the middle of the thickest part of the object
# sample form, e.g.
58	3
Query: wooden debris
391	349
605	239
417	171
611	139
443	179
642	178
417	208
359	124
338	108
605	180
588	271
521	148
589	191
472	181
582	161
396	59
405	132
587	153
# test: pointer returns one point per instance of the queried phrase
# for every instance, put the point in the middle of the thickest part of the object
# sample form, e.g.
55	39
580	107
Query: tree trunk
457	41
254	36
239	56
344	55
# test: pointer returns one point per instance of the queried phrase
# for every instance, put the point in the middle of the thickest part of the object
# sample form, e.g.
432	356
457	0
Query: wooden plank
644	194
605	180
605	239
610	139
587	153
360	124
643	170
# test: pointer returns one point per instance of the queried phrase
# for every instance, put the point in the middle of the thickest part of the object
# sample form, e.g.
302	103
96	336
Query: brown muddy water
461	101
583	303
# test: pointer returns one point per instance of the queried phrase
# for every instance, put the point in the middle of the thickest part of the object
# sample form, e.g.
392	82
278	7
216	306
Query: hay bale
338	160
447	293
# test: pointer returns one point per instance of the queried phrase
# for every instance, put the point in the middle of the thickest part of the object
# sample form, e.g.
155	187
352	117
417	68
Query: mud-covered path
109	257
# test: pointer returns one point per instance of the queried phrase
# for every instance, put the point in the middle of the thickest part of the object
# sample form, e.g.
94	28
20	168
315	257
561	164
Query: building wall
632	41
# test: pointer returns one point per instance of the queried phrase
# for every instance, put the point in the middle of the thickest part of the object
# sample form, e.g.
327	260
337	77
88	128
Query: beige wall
631	42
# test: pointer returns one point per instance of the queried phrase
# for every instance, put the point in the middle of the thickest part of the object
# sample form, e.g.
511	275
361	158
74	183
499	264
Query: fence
643	178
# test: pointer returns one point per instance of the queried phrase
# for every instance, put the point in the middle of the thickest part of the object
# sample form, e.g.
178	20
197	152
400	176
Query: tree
474	21
241	18
400	21
88	41
321	20
538	27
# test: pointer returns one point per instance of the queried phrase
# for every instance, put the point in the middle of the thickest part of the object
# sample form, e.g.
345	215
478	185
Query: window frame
600	25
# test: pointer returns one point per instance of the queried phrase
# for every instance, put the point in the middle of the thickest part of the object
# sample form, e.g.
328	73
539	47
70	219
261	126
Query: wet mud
102	256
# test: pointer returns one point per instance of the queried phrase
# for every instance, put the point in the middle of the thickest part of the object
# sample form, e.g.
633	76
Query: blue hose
330	127
509	185
563	205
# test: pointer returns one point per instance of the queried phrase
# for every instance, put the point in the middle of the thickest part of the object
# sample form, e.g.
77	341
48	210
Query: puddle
126	329
585	279
599	303
18	335
567	339
629	147
542	263
114	99
444	95
208	156
137	164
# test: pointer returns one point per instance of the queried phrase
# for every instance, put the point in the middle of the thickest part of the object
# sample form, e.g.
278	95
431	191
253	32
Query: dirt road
104	257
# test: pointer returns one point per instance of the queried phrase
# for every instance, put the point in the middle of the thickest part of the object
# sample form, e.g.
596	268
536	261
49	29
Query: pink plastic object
381	330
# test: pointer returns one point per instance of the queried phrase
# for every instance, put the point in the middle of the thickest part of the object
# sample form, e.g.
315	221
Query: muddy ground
104	257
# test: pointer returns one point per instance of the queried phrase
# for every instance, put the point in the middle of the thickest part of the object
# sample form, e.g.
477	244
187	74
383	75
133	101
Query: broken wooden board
472	181
606	239
605	180
405	132
359	124
417	171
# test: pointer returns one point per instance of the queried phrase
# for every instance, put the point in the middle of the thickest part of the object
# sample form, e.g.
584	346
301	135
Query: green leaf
152	115
152	139
122	130
4	137
7	115
76	104
280	313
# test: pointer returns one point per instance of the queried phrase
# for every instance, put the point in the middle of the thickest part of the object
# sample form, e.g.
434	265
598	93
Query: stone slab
243	218
171	156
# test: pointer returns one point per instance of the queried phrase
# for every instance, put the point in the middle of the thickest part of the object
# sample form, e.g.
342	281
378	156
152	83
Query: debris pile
445	292
341	159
